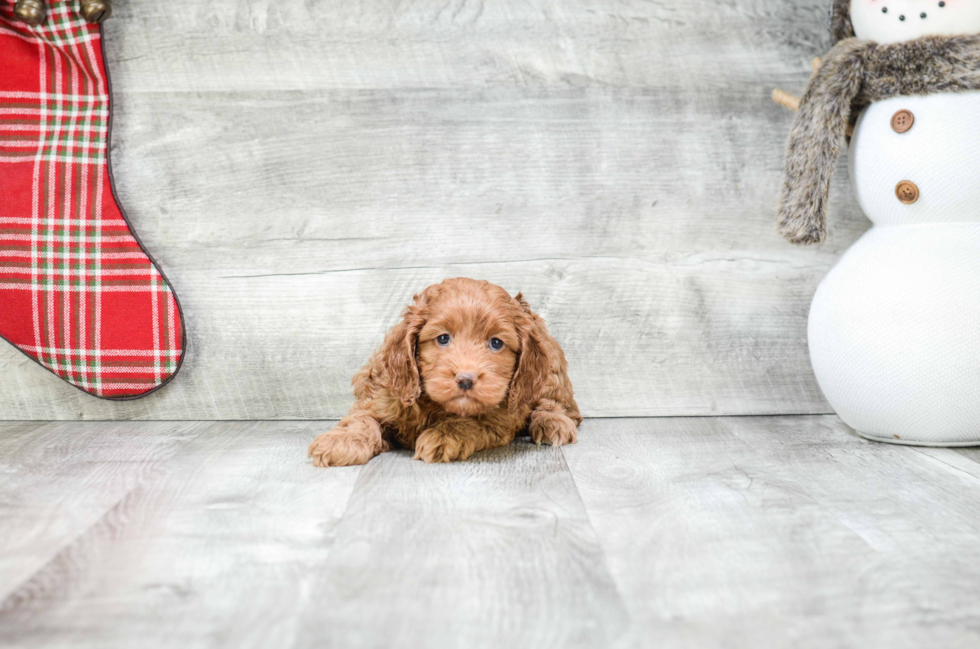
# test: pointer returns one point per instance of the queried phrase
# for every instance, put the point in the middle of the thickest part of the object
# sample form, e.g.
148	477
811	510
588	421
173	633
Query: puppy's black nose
465	380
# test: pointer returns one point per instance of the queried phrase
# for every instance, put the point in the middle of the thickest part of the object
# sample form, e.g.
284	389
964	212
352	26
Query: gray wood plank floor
301	168
678	532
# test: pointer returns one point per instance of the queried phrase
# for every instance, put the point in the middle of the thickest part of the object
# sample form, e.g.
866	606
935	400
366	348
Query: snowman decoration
894	328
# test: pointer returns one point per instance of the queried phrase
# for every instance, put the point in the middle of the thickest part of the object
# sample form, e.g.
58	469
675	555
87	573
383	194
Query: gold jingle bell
31	12
95	11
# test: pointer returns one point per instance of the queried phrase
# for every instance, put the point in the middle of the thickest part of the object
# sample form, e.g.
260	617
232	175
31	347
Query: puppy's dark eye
443	339
496	344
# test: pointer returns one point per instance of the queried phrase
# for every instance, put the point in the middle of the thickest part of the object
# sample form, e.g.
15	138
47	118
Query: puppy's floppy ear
534	362
398	352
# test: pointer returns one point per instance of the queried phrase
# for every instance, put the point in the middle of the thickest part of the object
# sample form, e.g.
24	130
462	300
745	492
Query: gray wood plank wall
300	169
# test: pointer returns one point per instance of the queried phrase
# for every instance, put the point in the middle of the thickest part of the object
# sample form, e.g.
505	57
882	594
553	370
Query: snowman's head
892	21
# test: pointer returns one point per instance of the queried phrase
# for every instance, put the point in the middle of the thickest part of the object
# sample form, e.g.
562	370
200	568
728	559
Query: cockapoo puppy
466	369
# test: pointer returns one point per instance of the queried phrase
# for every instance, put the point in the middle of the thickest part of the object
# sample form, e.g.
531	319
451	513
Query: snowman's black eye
901	17
942	4
884	10
922	15
443	340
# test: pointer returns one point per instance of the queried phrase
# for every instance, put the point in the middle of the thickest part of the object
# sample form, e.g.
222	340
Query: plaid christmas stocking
78	293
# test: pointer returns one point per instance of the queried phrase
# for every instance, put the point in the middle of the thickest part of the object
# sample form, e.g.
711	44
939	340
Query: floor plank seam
155	472
605	556
815	497
935	456
9	601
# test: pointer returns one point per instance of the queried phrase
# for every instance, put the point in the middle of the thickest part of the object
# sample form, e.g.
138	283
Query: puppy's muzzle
465	380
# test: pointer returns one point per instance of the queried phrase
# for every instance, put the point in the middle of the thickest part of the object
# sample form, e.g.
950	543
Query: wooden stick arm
788	100
785	99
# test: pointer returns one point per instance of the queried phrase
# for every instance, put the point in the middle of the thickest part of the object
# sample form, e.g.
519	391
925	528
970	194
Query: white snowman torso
939	152
894	328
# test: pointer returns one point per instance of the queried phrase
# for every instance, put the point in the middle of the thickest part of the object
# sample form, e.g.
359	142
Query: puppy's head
469	346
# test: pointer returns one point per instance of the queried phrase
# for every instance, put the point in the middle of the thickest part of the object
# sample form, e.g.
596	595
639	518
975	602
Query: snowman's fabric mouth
854	74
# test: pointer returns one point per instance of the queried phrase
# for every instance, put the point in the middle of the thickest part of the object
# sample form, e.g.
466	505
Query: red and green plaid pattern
77	292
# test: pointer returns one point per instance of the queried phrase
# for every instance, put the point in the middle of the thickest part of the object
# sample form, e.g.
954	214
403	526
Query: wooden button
907	192
902	121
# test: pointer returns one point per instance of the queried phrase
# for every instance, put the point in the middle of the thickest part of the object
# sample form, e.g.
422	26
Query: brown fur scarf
854	74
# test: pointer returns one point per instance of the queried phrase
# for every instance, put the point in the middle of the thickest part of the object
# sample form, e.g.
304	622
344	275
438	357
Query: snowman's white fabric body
894	328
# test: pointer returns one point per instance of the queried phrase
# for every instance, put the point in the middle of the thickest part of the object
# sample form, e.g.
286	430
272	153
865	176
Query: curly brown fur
854	74
448	401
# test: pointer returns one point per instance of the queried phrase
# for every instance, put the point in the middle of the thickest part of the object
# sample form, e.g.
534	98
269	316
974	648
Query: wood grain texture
59	479
493	552
230	545
217	549
301	169
782	532
701	532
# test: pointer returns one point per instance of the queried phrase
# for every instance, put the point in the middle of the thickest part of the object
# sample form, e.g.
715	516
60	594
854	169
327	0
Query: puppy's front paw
349	443
436	446
552	428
